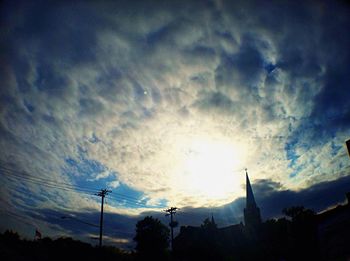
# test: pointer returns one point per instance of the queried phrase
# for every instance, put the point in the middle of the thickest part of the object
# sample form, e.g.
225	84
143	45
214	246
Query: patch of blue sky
28	198
163	203
85	171
128	197
269	67
123	189
291	154
85	166
295	171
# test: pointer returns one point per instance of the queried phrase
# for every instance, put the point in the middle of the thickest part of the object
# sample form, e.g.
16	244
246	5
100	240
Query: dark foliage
14	248
201	243
276	239
303	233
152	238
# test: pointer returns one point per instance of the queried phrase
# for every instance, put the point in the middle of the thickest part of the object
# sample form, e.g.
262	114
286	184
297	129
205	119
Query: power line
43	181
127	201
55	207
80	220
134	201
64	186
46	181
118	197
17	216
12	178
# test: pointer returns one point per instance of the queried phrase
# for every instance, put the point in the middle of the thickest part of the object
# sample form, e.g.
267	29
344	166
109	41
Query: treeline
293	237
12	247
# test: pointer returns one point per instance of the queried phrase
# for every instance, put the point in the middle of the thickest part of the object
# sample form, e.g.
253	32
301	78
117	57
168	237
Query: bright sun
210	168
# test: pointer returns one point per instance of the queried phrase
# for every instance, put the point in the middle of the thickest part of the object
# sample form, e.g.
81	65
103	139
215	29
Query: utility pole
102	194
171	212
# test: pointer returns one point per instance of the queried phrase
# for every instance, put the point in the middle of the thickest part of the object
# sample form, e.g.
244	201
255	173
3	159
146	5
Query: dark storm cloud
310	49
272	197
45	27
85	225
242	69
332	109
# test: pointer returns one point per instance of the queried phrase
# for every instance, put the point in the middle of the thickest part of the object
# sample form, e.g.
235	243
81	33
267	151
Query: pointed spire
250	196
251	212
212	219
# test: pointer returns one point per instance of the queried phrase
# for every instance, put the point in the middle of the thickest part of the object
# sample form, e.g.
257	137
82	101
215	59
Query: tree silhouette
303	233
208	225
297	212
152	238
12	247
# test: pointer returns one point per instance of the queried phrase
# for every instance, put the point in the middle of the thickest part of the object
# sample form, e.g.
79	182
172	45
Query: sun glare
211	168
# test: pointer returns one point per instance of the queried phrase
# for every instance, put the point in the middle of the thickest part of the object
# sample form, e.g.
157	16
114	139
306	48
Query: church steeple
251	212
250	196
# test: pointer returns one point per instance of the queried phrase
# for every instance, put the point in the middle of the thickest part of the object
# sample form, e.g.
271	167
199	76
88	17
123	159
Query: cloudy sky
165	103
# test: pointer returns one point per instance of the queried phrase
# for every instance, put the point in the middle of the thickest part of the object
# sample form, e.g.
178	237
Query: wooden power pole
171	212
102	194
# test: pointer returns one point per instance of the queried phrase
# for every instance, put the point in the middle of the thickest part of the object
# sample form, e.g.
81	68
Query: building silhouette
333	227
306	235
213	243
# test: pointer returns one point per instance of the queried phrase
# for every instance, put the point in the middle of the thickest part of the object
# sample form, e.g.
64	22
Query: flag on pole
37	234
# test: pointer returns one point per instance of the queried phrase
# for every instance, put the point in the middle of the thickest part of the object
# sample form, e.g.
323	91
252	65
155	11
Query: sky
166	103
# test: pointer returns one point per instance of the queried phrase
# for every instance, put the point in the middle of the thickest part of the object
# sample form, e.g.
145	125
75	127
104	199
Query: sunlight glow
211	168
